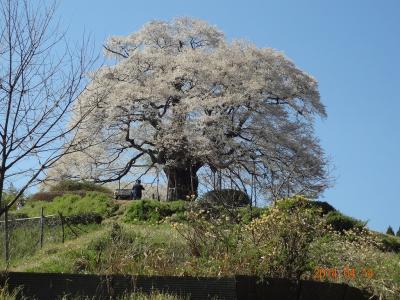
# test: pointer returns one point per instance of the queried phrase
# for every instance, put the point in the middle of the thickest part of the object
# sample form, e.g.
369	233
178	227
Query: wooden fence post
41	227
6	237
62	227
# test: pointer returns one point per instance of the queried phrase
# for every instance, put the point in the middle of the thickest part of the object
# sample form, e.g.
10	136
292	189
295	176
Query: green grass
25	235
25	240
390	243
135	240
57	257
5	294
152	211
129	249
92	202
153	296
159	250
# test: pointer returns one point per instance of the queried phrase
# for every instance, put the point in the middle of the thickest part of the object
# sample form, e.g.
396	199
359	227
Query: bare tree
40	79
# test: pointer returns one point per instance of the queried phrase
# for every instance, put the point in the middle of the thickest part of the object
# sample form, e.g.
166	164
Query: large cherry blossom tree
178	96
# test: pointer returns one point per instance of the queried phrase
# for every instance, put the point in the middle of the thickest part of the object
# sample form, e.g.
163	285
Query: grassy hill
295	238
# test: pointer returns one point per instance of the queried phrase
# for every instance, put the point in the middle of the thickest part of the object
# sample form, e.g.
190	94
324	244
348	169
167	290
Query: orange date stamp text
346	272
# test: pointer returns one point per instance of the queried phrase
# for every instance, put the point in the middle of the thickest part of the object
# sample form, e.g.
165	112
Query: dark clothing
137	191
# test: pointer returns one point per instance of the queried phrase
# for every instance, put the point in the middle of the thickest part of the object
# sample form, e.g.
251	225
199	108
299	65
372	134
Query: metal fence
23	236
69	286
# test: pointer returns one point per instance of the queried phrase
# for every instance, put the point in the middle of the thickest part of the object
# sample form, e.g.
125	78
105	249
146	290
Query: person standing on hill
137	190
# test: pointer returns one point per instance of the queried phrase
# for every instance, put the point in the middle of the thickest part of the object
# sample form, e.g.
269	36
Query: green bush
247	214
63	187
334	218
154	211
49	196
243	214
360	250
325	207
290	203
226	197
73	185
275	244
390	243
341	222
69	204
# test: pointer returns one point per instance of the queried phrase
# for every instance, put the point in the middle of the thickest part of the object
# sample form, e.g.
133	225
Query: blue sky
351	47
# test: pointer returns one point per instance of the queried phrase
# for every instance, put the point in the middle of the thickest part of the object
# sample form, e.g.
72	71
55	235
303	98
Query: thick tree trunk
182	182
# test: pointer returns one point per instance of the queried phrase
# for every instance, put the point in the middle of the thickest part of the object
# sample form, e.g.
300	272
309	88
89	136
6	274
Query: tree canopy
178	96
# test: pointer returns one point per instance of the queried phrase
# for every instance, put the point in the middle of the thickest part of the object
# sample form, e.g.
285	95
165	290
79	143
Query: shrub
70	204
283	238
226	197
211	236
290	203
275	244
390	243
325	207
359	250
341	222
154	211
49	196
141	250
73	185
398	233
247	214
10	194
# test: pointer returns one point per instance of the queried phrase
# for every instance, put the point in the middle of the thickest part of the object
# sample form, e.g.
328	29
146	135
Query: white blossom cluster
179	95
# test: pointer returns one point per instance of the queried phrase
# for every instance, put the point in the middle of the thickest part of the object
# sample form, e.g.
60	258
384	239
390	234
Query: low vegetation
5	294
227	197
8	295
295	238
153	296
25	240
154	211
74	187
340	222
69	204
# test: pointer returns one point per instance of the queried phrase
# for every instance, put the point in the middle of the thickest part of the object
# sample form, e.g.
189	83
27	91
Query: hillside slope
296	238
